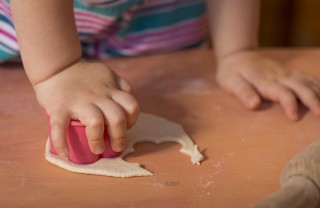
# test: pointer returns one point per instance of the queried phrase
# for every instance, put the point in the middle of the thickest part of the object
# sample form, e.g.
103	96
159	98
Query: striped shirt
124	27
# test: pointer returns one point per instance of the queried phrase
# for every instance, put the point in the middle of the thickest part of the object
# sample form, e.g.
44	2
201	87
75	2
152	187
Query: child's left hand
252	77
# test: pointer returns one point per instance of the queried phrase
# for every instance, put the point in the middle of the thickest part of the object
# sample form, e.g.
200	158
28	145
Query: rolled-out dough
149	128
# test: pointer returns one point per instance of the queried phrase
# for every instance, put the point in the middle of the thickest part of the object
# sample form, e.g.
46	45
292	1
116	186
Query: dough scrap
149	128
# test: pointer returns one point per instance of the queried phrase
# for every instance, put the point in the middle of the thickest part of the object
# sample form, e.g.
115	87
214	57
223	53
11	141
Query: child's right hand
93	94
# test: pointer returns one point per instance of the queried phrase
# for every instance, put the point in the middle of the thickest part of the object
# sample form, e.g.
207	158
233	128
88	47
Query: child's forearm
234	25
47	36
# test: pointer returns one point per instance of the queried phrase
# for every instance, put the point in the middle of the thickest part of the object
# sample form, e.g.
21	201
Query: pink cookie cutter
79	151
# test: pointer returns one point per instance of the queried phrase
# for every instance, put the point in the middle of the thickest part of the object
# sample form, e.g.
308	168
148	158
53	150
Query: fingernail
63	154
252	102
118	147
99	149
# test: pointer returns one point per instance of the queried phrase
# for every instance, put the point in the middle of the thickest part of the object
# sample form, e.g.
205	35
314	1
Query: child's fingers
307	94
59	122
281	94
93	119
129	105
115	118
244	91
124	85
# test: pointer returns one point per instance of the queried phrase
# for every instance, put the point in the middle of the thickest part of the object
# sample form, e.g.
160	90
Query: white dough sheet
149	128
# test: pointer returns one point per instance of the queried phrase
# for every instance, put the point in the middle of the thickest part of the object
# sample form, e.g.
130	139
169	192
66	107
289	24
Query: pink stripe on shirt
95	16
8	35
116	3
173	40
5	11
175	43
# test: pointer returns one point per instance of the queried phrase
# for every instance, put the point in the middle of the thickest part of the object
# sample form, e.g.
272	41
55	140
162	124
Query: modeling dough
148	128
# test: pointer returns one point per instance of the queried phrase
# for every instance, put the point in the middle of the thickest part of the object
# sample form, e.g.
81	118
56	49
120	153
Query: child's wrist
35	82
220	56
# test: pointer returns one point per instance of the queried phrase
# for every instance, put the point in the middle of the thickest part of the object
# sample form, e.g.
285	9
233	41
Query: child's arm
66	86
47	36
247	74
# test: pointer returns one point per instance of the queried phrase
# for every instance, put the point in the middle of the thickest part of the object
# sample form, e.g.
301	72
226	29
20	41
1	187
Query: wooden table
245	150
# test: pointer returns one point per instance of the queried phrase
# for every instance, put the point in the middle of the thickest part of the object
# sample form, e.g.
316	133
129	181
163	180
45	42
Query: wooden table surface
245	150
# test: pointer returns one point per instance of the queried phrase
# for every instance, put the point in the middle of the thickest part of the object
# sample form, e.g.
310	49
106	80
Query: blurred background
290	23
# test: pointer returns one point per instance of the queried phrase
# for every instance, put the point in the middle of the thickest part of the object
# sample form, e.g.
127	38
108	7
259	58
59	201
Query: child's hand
93	94
251	77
